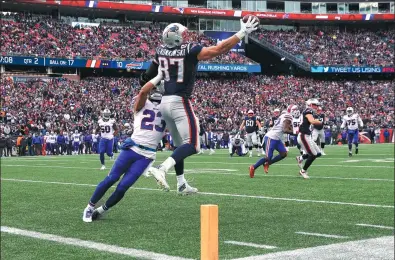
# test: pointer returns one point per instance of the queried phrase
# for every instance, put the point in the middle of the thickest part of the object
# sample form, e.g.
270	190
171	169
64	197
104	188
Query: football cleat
98	213
266	167
87	215
323	153
304	174
349	154
356	150
299	160
250	155
211	152
252	171
160	177
103	167
185	189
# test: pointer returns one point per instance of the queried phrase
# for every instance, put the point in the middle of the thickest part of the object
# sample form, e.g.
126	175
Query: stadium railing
265	44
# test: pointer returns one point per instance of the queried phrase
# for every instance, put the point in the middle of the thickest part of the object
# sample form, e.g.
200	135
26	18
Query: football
246	17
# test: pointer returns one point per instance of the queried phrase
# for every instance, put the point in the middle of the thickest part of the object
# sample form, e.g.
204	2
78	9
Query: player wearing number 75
137	153
178	60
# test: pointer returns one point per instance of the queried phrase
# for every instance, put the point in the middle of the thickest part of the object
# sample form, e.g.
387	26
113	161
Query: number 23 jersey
107	128
148	128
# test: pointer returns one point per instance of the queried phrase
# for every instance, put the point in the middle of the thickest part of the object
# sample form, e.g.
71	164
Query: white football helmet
312	101
127	125
293	110
155	95
276	112
106	113
350	111
173	35
250	112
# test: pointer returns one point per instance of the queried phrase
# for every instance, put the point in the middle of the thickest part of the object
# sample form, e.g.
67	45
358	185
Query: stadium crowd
44	36
67	104
353	47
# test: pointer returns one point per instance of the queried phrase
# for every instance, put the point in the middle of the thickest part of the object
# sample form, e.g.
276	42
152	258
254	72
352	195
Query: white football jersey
106	128
94	138
76	138
148	129
296	123
352	122
276	132
52	139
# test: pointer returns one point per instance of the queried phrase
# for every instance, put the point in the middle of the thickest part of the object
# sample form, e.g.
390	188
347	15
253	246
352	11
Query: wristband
240	34
155	80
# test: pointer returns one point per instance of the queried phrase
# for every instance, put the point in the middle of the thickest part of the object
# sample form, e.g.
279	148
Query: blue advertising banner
348	69
20	60
229	67
220	36
113	64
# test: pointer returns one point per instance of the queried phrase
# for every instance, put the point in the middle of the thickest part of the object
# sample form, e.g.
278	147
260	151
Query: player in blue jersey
251	124
178	61
138	152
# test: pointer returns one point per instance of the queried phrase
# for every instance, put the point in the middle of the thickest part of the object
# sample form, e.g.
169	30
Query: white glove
247	27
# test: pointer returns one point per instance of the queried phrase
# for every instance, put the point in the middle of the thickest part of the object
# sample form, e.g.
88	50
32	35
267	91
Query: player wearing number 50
137	153
107	129
353	122
178	60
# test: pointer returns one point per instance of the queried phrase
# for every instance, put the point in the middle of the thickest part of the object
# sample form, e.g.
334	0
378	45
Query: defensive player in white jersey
47	140
108	129
273	141
178	60
296	122
52	141
352	121
137	154
237	146
76	141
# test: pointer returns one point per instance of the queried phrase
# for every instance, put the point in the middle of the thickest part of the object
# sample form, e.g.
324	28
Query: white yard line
206	171
224	195
320	235
226	163
374	226
250	244
90	244
376	248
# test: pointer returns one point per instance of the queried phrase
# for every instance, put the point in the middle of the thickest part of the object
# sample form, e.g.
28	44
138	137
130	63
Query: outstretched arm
226	45
145	90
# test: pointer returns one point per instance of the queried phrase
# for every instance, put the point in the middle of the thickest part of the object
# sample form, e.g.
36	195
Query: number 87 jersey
107	128
179	66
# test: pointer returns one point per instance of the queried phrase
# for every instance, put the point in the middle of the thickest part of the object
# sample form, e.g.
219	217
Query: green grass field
49	194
